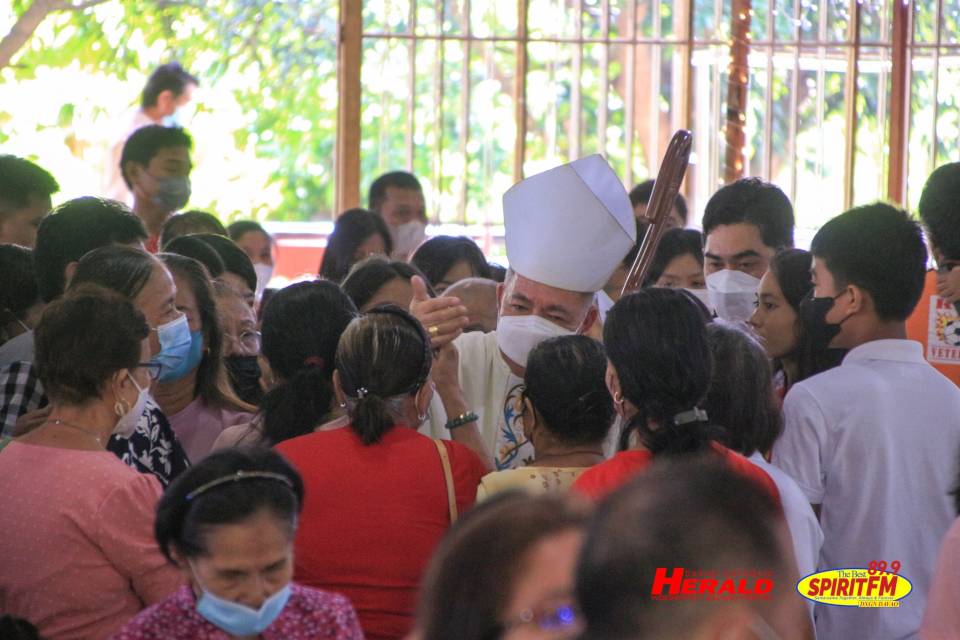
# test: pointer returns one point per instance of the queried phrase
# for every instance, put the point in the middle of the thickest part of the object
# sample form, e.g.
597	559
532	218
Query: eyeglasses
153	368
249	339
562	620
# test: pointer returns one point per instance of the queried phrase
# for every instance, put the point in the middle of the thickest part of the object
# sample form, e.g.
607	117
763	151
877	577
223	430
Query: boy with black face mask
873	442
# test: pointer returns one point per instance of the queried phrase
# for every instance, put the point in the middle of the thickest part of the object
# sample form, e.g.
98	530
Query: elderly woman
79	557
148	445
228	523
197	396
506	570
566	413
241	342
379	494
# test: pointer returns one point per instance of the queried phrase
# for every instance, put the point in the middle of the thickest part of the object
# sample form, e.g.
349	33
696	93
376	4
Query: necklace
59	422
570	453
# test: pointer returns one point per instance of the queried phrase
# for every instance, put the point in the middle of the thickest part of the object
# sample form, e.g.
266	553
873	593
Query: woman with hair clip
741	399
197	396
302	325
658	373
798	347
228	524
379	494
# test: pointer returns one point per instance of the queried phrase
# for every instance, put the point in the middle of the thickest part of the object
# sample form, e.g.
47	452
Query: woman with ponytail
302	325
658	373
379	495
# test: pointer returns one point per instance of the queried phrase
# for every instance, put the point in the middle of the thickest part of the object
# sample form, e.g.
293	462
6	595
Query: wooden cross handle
665	189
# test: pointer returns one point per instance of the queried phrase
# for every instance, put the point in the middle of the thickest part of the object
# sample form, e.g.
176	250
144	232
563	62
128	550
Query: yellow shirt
529	479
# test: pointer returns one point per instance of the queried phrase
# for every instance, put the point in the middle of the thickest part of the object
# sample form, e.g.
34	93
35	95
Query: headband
237	477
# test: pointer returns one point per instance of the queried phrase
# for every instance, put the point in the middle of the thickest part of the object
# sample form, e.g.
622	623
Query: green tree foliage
279	56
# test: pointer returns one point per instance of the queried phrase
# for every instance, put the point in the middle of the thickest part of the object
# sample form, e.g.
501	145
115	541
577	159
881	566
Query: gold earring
121	408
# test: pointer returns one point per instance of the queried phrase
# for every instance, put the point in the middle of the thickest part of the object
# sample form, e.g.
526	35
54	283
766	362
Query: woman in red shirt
658	370
379	495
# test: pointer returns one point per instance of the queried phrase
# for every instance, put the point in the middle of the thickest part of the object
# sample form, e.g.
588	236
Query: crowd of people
422	444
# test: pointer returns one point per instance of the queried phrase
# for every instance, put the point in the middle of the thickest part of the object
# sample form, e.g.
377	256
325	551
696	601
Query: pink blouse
309	614
941	620
198	424
78	557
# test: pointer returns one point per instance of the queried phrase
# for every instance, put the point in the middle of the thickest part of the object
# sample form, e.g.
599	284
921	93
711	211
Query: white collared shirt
876	441
804	527
114	187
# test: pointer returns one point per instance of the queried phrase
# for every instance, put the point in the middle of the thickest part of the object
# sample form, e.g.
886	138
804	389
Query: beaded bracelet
461	420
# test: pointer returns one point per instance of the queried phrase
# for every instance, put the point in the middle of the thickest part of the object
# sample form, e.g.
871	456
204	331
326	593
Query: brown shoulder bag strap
448	479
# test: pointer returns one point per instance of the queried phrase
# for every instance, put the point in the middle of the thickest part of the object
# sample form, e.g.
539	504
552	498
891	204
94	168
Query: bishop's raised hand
444	318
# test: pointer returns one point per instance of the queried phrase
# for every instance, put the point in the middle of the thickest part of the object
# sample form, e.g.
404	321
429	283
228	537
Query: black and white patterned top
153	448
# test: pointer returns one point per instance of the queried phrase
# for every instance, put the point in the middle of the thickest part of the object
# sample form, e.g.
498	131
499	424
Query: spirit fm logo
873	587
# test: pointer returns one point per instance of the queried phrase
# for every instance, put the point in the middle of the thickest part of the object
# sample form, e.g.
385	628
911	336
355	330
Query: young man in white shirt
874	442
169	88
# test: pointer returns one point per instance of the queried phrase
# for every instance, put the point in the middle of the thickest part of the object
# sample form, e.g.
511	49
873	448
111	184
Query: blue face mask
175	344
237	619
190	362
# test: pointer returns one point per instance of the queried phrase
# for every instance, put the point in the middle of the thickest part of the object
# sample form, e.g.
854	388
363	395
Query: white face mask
703	295
128	422
604	304
264	274
518	335
733	294
407	237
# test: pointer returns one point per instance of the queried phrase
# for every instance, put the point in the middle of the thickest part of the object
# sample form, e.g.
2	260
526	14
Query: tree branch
27	24
66	5
22	29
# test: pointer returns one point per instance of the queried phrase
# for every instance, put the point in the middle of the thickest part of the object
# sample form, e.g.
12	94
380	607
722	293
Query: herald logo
678	583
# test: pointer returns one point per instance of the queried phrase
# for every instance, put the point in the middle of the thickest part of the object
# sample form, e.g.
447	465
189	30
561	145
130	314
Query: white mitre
569	227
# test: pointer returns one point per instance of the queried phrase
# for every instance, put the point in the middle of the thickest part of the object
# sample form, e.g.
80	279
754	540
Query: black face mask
813	315
245	375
